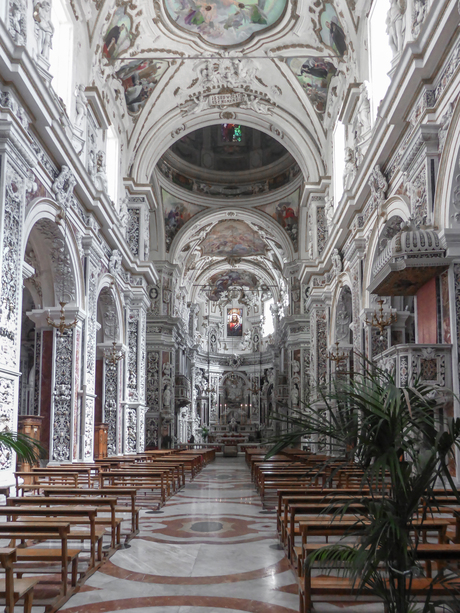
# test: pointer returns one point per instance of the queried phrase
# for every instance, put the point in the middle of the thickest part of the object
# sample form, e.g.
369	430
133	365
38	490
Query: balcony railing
431	363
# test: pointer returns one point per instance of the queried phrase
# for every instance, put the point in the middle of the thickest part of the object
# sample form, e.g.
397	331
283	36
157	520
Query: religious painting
286	213
222	281
331	31
177	213
119	36
225	22
139	78
235	322
314	75
232	238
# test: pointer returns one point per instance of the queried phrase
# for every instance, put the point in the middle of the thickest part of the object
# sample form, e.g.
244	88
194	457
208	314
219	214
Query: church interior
208	209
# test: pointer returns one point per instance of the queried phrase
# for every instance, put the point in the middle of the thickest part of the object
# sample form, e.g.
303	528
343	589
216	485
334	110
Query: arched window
112	158
380	53
339	160
268	323
61	53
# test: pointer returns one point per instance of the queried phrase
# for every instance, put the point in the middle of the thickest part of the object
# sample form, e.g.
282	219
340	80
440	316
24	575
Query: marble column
92	259
134	413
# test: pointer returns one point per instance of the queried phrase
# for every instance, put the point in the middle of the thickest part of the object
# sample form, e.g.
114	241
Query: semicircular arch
289	131
46	210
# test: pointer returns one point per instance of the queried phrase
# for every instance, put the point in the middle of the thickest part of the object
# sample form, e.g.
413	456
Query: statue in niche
44	29
395	25
344	315
337	264
167	397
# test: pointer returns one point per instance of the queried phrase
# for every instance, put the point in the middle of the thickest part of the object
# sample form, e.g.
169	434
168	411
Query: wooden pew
150	480
74	516
108	505
11	589
337	586
118	492
41	531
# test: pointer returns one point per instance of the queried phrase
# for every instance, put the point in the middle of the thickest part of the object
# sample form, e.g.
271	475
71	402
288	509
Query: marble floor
211	549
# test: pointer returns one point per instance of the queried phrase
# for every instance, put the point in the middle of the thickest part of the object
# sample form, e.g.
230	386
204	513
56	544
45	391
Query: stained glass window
231	133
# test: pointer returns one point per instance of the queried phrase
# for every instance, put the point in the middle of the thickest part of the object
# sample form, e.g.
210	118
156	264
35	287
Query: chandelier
62	326
382	320
114	355
338	356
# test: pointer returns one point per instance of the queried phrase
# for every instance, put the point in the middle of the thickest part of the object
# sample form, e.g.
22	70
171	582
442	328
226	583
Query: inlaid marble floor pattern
211	549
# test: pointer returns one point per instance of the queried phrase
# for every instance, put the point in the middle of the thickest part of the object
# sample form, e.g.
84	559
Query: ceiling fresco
286	213
225	22
120	35
314	75
221	281
139	78
232	238
176	214
331	31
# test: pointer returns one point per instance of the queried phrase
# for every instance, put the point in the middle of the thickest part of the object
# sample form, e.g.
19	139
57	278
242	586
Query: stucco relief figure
350	168
100	178
16	24
246	342
80	104
44	29
363	113
395	25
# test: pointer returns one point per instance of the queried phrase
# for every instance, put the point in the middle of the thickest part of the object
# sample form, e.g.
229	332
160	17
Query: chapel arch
49	362
109	370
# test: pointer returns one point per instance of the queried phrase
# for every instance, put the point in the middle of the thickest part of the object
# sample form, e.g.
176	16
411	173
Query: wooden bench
11	589
119	492
337	586
108	505
41	531
74	516
142	480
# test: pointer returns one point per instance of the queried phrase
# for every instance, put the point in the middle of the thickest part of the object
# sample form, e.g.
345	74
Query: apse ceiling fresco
223	280
225	22
232	238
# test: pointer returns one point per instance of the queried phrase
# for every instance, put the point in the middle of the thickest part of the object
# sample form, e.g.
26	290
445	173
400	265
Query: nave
210	549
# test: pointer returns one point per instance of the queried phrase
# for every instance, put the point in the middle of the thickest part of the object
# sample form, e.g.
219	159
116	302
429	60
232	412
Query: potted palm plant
403	443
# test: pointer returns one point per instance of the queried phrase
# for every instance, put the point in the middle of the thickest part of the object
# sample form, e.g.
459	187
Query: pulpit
30	425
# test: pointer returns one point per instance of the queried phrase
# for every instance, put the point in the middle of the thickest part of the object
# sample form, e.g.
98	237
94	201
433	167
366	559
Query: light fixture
337	357
62	326
114	355
382	320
